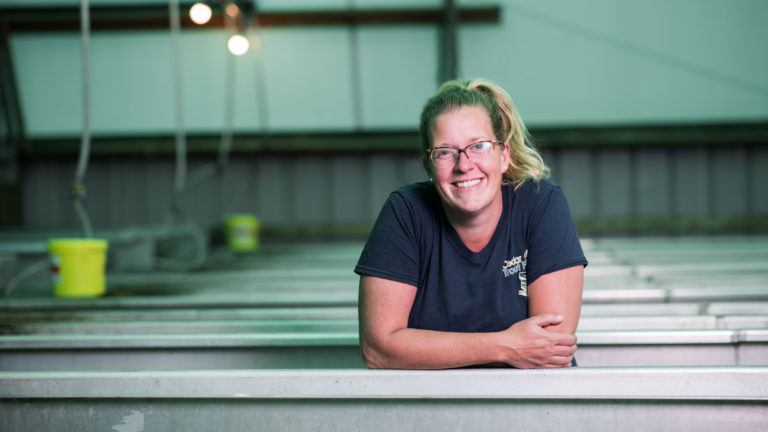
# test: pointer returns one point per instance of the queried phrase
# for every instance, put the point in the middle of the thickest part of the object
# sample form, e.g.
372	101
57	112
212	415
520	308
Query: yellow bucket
242	232
78	267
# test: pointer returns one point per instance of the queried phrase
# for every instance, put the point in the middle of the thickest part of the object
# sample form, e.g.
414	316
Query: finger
566	339
561	361
547	319
562	350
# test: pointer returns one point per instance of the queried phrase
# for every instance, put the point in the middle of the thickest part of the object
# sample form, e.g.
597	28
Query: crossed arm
545	340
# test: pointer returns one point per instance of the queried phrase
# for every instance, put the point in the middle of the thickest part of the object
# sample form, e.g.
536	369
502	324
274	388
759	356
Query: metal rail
583	399
341	350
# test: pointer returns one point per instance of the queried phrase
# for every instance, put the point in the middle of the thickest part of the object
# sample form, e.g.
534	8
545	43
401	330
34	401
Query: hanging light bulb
232	10
237	44
200	13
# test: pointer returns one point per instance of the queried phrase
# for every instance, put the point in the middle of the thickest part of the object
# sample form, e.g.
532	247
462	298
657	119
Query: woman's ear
505	158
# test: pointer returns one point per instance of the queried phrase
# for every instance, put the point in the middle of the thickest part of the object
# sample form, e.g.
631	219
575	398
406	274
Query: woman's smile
466	184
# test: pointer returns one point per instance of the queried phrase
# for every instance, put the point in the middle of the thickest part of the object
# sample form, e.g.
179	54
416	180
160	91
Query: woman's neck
476	230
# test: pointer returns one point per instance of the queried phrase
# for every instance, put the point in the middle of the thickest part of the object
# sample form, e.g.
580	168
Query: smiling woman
481	265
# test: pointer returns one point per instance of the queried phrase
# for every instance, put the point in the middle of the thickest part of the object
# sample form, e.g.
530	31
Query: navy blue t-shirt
459	290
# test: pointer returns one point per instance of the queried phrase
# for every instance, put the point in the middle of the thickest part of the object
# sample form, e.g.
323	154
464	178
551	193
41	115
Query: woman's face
468	187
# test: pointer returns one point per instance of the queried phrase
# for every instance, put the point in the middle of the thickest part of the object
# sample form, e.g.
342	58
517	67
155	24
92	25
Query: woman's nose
462	163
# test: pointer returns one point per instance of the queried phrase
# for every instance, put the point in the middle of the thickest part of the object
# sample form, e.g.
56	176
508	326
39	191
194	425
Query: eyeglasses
447	156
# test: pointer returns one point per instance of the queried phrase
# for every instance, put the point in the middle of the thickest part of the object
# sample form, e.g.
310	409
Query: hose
78	188
177	206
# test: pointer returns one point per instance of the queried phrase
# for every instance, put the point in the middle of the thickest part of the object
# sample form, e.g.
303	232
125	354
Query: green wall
565	62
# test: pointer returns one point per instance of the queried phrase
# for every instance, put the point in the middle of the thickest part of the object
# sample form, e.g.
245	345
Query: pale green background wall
566	62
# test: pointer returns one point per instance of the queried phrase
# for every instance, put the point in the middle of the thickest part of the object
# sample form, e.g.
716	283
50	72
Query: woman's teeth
468	183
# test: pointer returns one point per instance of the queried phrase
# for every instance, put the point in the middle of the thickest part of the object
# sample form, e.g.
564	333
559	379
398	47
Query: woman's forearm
409	348
526	344
388	342
558	293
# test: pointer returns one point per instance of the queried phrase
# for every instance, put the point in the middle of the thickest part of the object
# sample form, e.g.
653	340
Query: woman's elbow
372	358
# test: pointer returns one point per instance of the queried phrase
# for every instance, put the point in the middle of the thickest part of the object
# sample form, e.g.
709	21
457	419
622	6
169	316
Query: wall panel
684	183
349	189
272	190
653	194
691	183
395	81
729	182
308	78
310	192
47	194
237	187
614	183
202	200
158	194
758	168
576	177
384	173
105	198
413	169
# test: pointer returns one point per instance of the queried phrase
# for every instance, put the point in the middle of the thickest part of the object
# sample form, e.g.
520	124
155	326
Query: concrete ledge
705	383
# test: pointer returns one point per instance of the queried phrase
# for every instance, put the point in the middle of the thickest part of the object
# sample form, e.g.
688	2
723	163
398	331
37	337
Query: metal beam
407	141
579	399
156	17
341	350
11	139
449	47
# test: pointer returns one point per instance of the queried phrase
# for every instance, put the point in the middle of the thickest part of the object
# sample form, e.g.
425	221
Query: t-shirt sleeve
553	243
391	251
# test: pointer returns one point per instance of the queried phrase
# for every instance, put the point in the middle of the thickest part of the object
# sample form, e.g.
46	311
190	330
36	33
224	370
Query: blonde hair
525	162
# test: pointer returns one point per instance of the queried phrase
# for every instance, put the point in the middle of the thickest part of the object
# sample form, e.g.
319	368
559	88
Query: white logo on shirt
517	266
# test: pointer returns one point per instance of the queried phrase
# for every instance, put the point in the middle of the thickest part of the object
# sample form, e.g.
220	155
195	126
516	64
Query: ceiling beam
53	19
671	135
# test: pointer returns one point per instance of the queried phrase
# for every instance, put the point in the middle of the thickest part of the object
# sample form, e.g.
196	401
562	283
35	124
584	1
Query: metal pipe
450	49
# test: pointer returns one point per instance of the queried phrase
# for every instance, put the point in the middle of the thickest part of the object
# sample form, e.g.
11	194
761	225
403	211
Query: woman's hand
528	343
387	342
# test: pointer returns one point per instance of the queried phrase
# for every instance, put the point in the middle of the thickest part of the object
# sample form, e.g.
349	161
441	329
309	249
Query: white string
181	142
85	143
229	100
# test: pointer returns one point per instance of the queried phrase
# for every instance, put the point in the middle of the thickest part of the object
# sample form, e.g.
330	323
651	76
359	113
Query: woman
481	265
